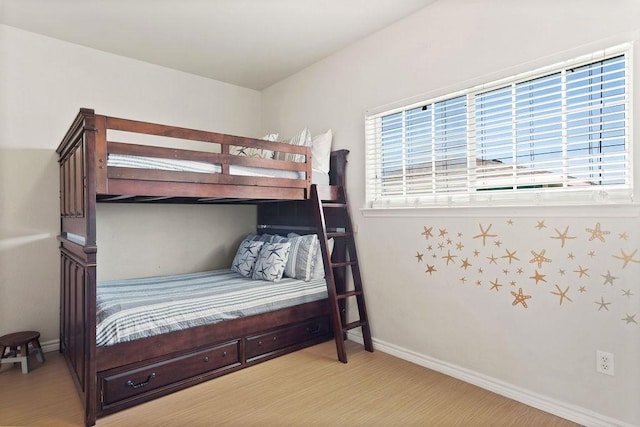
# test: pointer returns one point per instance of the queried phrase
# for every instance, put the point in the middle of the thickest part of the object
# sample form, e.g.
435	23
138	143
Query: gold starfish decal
465	263
509	222
419	256
627	258
562	294
591	254
571	255
498	243
492	259
442	232
484	234
581	271
538	277
476	253
511	256
520	298
463	280
627	293
603	304
608	278
563	236
540	225
582	289
450	257
539	258
512	283
427	232
630	319
623	235
495	285
430	269
459	246
520	270
597	233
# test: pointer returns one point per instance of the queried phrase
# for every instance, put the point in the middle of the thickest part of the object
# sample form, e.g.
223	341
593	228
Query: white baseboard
49	346
567	411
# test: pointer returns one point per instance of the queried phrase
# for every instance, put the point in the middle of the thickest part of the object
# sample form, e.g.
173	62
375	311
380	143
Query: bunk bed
96	169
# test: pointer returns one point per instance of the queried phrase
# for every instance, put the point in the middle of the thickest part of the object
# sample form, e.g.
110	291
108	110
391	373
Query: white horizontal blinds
560	130
597	95
450	146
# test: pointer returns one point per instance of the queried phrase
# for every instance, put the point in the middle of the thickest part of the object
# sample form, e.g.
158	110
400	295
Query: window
562	131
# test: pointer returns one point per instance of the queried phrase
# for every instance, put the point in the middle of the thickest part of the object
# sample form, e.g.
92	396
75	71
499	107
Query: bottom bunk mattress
130	309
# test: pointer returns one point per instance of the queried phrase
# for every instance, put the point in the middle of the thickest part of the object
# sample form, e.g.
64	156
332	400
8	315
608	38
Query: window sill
621	210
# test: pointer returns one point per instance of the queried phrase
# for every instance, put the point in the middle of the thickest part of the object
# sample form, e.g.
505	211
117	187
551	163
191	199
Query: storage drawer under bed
121	385
262	345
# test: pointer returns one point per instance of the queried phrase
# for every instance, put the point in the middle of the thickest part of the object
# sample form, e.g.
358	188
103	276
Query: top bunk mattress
137	308
157	163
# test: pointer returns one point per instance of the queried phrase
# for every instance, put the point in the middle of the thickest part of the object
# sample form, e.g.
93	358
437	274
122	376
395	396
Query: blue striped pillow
303	255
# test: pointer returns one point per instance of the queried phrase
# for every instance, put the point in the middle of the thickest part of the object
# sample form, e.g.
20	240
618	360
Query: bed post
78	257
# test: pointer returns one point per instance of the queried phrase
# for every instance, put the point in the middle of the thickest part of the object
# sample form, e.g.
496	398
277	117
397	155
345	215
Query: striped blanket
178	165
137	308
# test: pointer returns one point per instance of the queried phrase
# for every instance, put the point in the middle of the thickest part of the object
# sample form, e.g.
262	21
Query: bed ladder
333	220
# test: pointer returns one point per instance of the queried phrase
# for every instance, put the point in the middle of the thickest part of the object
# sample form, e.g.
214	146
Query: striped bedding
177	165
137	308
140	162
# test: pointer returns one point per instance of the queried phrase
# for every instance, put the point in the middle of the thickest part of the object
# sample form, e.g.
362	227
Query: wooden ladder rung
349	294
353	325
343	264
339	234
334	205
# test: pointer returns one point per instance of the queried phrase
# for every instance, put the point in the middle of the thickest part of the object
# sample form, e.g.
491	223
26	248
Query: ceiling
250	43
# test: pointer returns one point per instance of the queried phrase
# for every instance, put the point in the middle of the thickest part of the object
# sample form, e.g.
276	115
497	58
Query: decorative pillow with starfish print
271	261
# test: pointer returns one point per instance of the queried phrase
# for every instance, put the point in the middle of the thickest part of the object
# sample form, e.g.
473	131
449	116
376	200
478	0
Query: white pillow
271	262
303	139
321	151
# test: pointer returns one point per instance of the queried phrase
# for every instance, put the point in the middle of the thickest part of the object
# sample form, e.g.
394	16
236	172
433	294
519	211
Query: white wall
43	83
451	319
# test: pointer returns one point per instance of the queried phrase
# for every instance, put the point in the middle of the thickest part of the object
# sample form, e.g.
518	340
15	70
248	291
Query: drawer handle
313	330
224	354
206	359
142	384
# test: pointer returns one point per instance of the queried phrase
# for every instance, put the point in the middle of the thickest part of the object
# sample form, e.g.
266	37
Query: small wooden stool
21	340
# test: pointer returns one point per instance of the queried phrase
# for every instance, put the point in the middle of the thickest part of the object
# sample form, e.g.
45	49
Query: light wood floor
306	388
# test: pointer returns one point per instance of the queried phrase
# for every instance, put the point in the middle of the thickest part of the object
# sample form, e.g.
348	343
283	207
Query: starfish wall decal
597	233
484	234
520	298
562	294
563	236
627	258
539	258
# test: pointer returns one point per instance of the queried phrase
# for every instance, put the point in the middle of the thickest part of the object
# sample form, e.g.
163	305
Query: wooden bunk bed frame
116	377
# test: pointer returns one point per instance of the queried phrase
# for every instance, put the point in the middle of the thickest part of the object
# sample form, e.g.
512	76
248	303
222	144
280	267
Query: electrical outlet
604	362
